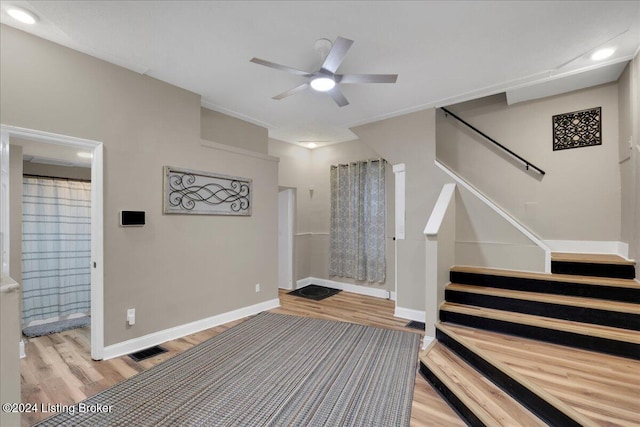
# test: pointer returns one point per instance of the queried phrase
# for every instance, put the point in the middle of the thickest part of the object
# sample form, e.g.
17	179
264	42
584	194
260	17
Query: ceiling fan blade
293	91
338	97
366	78
280	67
336	54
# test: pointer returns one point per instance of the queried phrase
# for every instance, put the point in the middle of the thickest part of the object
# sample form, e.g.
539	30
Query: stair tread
486	400
606	332
599	386
560	278
585	302
590	258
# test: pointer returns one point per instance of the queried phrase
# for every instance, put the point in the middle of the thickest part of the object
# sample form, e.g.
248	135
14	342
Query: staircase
561	349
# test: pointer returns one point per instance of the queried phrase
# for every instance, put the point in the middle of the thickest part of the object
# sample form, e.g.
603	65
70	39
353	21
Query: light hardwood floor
58	368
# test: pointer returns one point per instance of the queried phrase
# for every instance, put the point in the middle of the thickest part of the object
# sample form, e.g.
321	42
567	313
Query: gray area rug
54	327
271	370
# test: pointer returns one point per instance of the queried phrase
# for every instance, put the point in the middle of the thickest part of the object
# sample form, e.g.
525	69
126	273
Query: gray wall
410	139
302	168
178	268
629	157
578	198
220	128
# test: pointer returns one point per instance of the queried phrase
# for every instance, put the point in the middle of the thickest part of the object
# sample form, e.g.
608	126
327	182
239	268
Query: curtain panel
357	228
56	249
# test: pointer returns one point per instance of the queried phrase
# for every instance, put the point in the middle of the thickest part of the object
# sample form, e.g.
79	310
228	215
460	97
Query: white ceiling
443	51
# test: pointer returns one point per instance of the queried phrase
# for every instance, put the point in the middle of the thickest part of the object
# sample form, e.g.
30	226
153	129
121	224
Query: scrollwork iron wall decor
577	129
194	192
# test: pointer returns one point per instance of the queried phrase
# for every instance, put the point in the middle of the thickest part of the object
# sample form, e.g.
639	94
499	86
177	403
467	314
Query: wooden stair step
623	307
546	322
600	265
477	399
606	339
626	290
601	387
588	310
591	258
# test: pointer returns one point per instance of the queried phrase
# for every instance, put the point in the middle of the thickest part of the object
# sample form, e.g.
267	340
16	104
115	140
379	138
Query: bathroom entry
56	253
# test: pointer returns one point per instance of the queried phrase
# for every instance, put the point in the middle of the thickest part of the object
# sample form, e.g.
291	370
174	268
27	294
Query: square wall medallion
577	129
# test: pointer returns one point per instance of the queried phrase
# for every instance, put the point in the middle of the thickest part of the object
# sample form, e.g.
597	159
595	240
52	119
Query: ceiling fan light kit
325	79
322	83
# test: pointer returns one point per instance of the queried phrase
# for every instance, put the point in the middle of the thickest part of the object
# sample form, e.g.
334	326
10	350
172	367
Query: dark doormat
314	292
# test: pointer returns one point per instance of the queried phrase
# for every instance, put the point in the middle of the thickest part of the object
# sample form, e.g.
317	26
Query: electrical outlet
257	287
131	316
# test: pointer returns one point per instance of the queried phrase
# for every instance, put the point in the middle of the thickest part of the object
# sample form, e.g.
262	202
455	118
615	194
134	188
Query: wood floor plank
48	373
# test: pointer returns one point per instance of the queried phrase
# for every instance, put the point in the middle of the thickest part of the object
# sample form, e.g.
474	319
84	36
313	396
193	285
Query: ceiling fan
325	79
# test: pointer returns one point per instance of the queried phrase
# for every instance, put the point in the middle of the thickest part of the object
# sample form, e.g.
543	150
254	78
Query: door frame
97	221
288	259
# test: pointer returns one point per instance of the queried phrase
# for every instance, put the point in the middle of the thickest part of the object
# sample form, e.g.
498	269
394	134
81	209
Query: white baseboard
146	341
356	289
410	314
427	342
21	346
589	247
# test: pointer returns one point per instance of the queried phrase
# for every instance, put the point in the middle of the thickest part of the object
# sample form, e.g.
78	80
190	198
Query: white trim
149	340
410	314
97	253
428	341
348	287
525	231
285	261
439	210
97	222
308	233
21	347
5	200
589	247
400	202
236	150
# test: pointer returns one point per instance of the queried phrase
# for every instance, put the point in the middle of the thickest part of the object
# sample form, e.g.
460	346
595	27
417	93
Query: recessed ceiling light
22	15
312	145
322	83
85	155
602	53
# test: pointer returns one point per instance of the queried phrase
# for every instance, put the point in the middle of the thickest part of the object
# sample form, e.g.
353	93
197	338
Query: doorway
52	142
285	238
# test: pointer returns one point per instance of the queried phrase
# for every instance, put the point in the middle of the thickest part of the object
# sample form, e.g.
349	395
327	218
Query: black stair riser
536	404
612	293
618	271
456	404
601	345
614	319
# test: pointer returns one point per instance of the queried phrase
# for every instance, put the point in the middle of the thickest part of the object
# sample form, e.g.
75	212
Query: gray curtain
357	229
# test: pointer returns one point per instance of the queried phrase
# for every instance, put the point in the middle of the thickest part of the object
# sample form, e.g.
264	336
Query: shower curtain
56	249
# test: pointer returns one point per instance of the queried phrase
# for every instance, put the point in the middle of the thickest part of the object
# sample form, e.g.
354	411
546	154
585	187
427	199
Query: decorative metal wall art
194	192
577	129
